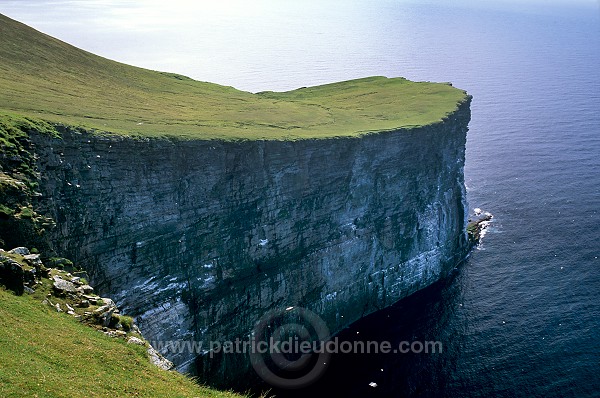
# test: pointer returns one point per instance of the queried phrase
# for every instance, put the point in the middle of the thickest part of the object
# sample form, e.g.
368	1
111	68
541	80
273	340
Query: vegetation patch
45	78
48	349
49	354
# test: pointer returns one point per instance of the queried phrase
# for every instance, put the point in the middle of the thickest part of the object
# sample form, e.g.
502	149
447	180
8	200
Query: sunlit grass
45	78
47	354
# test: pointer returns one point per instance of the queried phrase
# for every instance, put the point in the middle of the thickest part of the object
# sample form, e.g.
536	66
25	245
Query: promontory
199	207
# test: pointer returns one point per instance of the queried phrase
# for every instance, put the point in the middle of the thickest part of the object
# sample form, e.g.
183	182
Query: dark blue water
521	316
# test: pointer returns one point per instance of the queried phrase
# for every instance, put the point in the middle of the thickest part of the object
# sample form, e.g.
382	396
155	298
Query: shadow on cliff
426	316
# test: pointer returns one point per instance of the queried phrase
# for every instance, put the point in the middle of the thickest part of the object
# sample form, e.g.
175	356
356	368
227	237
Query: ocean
521	317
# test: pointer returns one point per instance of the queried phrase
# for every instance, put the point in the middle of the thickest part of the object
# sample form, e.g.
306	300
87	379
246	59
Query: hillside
47	354
46	78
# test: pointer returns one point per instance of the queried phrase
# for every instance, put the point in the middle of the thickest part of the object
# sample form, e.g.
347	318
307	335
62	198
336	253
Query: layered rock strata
197	239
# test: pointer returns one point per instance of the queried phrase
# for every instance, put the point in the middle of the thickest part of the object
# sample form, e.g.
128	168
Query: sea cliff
200	207
198	239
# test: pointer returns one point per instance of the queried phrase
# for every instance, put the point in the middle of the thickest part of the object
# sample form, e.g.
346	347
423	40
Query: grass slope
46	78
46	354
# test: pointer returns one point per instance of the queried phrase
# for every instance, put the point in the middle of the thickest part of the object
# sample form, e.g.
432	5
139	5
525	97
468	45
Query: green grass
45	78
46	354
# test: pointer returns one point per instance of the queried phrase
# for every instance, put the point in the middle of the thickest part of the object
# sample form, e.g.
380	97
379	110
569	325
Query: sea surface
521	317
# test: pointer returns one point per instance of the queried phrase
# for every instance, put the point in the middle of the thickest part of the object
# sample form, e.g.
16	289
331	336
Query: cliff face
198	239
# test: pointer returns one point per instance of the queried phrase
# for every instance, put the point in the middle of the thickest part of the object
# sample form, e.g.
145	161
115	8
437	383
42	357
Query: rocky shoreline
477	225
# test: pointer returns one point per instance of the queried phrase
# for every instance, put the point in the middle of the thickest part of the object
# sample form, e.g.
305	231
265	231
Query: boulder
12	275
115	333
33	260
62	287
83	304
135	340
109	302
92	299
104	315
23	251
101	310
86	289
107	318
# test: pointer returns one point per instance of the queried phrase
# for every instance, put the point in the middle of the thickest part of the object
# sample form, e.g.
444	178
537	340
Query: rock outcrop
23	272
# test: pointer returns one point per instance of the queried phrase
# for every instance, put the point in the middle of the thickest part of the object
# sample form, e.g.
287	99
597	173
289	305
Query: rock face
198	239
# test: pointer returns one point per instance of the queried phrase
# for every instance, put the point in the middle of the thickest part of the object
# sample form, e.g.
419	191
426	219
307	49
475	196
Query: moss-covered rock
20	223
476	227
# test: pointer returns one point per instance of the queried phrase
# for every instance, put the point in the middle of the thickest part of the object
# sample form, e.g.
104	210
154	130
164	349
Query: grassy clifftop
46	78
